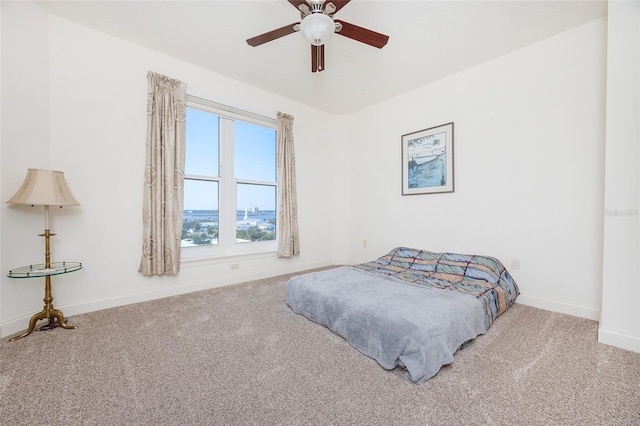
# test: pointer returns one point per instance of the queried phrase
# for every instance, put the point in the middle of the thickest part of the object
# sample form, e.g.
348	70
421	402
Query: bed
410	308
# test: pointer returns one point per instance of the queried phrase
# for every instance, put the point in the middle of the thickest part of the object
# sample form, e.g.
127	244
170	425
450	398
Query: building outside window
230	188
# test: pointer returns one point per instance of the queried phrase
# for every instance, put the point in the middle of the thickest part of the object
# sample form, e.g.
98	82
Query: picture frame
427	161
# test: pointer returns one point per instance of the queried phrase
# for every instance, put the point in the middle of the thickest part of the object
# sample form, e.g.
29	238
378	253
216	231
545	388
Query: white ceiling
428	40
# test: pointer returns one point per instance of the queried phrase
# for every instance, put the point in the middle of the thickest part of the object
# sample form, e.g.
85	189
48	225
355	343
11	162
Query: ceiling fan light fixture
317	28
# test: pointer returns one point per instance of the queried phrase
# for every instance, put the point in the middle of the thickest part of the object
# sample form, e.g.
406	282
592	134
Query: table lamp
45	188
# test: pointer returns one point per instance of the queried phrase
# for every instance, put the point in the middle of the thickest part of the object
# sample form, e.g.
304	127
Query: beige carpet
238	355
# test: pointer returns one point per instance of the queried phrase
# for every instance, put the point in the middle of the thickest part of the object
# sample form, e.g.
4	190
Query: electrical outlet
515	263
364	243
235	266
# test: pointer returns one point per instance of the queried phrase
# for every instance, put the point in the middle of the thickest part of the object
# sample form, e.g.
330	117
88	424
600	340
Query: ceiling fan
317	25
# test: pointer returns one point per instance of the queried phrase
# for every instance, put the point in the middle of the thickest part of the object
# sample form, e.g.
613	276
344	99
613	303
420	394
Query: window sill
193	261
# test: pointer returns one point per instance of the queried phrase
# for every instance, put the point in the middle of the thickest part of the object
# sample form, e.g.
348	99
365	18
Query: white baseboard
21	323
607	337
560	307
620	340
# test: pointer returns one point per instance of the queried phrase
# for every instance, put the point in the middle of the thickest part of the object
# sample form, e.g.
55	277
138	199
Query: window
230	187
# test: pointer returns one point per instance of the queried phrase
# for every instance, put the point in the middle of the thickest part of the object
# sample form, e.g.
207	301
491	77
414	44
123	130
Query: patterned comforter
480	276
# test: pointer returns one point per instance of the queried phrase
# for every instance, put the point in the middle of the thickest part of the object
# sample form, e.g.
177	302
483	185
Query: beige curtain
288	238
164	175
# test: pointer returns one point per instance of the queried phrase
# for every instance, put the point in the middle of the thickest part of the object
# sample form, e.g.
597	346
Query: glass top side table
54	316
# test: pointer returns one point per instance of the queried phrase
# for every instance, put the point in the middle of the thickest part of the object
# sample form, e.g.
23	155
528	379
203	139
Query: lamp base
53	323
50	313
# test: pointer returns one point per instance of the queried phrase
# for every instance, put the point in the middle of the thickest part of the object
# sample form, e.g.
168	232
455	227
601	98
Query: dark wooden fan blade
339	4
363	35
297	3
317	58
271	35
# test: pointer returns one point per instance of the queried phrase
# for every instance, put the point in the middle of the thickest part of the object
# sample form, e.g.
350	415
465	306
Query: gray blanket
389	320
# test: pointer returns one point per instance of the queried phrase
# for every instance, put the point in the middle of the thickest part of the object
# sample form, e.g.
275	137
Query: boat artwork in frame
427	161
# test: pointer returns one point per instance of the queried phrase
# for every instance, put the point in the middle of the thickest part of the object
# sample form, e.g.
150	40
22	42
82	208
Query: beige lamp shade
44	188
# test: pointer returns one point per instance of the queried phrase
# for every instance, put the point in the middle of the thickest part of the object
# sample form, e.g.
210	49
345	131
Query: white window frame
227	184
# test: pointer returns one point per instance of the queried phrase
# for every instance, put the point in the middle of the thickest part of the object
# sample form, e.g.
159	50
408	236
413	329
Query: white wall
25	143
529	145
1	263
529	177
620	321
339	178
77	103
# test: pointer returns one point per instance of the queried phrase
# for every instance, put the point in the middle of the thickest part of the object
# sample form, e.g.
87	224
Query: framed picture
427	161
